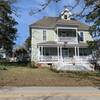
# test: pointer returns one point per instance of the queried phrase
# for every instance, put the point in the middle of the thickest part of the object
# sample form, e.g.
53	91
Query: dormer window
65	16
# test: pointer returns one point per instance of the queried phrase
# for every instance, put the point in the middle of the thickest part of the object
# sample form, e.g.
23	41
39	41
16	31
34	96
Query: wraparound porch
68	54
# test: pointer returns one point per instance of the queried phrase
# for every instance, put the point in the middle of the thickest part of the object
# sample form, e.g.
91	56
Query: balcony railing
68	39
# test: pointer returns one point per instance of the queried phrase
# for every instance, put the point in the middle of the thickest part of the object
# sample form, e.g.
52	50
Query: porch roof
50	43
56	44
82	45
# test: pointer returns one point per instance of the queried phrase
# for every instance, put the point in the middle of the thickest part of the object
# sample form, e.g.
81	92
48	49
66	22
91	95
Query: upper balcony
67	35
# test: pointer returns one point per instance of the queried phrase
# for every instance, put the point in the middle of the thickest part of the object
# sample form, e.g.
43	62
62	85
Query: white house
61	41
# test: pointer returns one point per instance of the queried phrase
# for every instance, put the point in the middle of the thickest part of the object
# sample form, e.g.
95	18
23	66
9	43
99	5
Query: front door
64	52
68	52
71	52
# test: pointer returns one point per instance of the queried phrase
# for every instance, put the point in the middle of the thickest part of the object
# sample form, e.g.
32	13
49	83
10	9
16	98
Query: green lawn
24	76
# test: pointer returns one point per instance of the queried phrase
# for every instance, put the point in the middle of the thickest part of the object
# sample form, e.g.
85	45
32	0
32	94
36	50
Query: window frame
65	17
81	36
44	35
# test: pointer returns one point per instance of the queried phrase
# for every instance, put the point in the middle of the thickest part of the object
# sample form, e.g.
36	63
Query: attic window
65	16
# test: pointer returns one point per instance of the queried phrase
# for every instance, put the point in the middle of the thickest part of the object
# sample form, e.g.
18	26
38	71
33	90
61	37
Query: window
81	37
71	52
65	16
44	35
84	51
67	32
65	52
49	51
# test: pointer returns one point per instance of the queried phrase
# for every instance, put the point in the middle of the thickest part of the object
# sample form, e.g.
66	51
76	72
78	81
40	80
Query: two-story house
61	40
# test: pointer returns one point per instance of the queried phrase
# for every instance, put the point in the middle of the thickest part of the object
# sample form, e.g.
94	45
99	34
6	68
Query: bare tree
90	11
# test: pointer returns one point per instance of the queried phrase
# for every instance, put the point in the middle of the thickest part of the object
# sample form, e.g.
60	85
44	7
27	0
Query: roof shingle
52	22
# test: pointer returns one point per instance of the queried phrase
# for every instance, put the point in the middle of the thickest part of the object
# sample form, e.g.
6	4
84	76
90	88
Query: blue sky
24	19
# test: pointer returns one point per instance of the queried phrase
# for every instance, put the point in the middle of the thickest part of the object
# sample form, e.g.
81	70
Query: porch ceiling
50	43
55	44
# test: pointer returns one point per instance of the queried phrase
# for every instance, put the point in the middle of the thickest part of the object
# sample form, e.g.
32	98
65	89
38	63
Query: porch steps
71	67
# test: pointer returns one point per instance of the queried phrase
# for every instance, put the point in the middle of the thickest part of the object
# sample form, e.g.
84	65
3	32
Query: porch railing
48	58
68	39
70	60
76	60
82	59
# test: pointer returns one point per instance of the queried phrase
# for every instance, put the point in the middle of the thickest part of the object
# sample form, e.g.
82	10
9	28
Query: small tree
28	46
21	54
28	43
95	46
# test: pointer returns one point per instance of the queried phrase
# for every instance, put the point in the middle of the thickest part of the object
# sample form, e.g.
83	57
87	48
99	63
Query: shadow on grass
6	65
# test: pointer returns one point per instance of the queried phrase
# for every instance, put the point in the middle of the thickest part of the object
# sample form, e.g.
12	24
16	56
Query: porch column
58	52
41	54
75	52
78	51
42	50
38	53
61	53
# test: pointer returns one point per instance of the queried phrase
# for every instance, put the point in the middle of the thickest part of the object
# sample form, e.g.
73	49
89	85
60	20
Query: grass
25	76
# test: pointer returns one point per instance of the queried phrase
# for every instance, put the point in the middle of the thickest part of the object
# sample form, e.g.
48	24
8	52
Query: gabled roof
46	22
52	22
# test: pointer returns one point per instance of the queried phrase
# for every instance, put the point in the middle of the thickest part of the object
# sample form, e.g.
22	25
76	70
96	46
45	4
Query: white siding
37	37
86	36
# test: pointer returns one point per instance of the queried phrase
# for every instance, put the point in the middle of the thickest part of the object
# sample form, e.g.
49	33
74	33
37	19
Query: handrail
68	39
